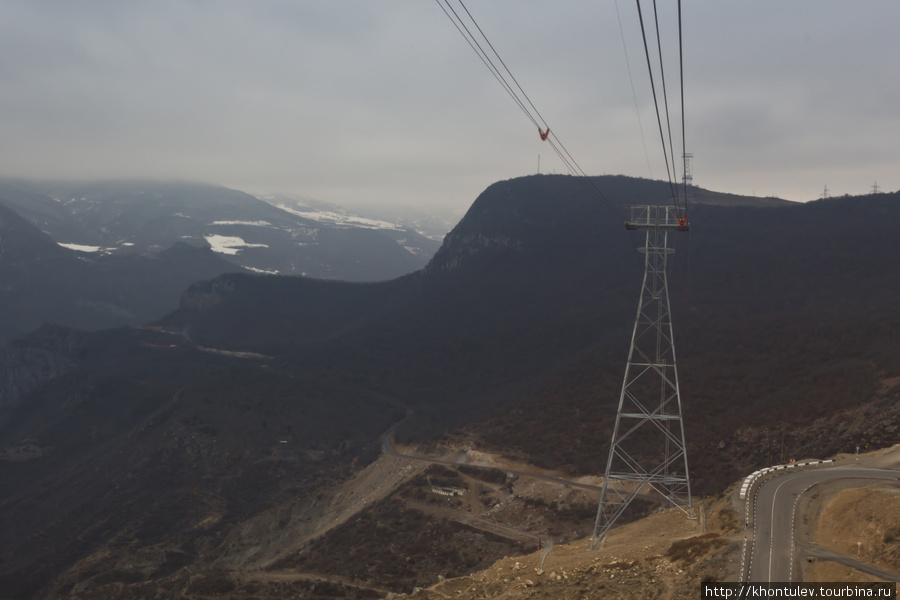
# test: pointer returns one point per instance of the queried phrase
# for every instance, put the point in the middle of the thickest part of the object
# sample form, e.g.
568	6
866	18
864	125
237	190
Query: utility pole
824	193
647	455
875	188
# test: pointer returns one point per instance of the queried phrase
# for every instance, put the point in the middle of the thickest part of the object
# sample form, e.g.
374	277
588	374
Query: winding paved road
772	555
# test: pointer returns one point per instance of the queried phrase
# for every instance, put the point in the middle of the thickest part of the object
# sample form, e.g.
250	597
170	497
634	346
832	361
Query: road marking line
772	526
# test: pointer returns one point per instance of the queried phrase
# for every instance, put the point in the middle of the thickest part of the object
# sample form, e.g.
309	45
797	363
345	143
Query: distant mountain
431	222
42	282
515	237
133	216
158	452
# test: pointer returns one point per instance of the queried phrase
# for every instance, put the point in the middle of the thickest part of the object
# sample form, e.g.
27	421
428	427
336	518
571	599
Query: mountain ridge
147	216
43	282
512	346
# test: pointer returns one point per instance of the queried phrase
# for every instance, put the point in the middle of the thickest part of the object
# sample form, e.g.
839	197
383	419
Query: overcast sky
366	102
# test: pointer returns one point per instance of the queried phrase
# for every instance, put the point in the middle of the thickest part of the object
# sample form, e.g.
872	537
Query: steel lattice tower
647	455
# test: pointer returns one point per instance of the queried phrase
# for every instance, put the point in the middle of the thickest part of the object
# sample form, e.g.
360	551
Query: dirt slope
663	556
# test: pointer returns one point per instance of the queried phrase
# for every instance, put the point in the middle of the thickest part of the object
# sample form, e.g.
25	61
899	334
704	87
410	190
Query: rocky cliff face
458	248
206	294
509	217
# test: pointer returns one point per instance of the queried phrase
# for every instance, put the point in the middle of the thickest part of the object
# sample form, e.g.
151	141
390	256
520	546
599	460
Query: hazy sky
360	102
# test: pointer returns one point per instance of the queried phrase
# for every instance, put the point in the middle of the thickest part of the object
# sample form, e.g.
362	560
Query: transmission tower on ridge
688	158
647	454
688	177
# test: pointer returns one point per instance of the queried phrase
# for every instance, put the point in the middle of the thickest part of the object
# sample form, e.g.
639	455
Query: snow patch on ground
262	271
230	244
338	218
80	247
253	223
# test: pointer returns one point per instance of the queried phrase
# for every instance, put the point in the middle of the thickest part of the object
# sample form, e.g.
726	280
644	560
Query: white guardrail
750	479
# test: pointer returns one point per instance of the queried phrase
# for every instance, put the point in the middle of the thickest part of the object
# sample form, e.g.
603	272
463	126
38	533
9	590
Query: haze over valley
102	254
